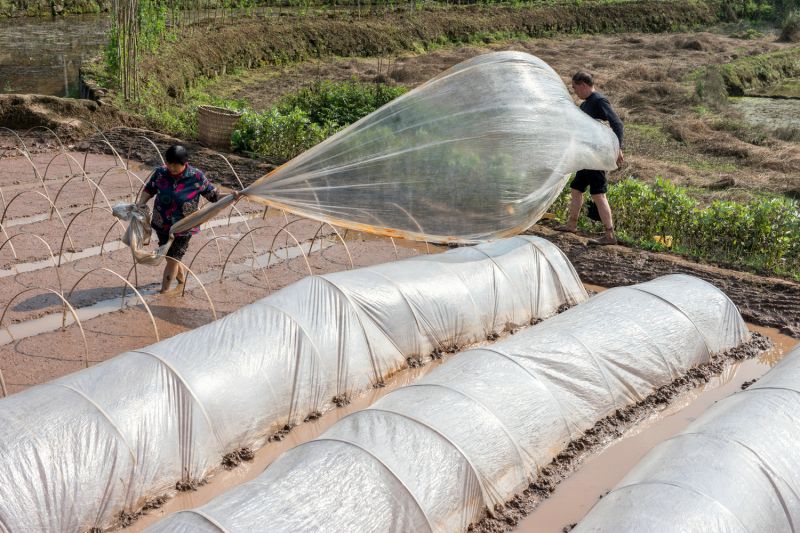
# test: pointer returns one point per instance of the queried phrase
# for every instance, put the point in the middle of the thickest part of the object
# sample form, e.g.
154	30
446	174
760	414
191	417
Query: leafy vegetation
762	234
303	119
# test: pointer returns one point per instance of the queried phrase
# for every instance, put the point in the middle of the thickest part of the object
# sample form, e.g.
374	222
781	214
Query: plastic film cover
478	152
78	451
735	469
493	416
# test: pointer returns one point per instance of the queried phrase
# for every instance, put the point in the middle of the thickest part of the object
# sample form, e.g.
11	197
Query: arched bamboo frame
49	250
235	175
105	238
75	216
36	172
209	241
90	183
346	248
67	305
127	284
128	174
161	157
416	223
8	238
58	140
15	134
108	143
52	205
269	258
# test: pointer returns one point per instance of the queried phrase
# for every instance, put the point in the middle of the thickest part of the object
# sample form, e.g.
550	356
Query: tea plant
303	119
762	234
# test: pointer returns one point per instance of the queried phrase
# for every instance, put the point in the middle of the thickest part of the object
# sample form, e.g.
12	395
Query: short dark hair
176	154
583	77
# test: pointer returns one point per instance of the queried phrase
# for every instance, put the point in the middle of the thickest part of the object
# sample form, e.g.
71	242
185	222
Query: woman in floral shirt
177	187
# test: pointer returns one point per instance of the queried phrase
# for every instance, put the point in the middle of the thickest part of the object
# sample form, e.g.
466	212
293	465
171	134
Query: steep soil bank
70	118
39	8
278	41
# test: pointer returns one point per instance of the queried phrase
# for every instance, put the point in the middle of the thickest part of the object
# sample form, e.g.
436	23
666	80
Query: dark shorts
594	179
179	244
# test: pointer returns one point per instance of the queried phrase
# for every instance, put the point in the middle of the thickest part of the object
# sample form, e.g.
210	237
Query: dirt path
765	301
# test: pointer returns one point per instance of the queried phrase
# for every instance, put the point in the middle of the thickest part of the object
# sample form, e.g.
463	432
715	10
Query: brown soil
762	300
640	73
70	118
504	518
279	41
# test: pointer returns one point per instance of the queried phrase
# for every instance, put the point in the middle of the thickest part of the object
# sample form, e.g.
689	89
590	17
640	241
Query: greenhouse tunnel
435	455
735	469
109	437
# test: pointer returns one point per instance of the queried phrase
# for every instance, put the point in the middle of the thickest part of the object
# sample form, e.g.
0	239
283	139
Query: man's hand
620	159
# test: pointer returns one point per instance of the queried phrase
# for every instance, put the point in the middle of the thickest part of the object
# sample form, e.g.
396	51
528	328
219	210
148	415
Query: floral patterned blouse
176	197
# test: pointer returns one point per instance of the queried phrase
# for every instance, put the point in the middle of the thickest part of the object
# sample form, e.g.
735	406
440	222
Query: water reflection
42	55
771	113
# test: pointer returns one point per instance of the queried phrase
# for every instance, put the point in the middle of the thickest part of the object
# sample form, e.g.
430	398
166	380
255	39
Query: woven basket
215	126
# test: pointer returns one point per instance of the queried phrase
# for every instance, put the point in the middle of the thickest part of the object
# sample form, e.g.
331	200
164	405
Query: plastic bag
137	235
476	153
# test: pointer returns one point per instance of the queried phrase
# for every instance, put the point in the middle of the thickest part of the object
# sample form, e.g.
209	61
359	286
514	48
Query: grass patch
762	70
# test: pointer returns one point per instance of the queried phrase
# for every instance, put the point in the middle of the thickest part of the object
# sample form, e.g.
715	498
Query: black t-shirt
597	107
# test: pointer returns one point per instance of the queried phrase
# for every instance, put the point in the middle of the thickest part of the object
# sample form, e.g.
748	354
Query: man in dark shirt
177	187
596	106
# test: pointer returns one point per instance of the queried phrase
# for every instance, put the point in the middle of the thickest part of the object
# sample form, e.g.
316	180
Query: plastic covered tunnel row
106	438
735	469
433	455
478	152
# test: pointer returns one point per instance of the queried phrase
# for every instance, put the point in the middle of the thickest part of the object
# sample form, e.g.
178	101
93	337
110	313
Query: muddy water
577	494
771	113
227	479
42	55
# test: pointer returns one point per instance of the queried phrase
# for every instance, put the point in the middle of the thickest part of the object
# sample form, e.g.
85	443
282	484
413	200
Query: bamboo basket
215	126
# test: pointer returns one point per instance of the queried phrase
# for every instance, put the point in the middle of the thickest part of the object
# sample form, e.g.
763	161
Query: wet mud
507	517
762	300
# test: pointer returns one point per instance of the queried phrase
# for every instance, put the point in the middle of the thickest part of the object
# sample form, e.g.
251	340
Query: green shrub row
762	234
301	120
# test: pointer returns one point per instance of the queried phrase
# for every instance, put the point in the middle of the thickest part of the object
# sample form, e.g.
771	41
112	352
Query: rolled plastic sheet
434	455
478	152
735	469
77	451
137	234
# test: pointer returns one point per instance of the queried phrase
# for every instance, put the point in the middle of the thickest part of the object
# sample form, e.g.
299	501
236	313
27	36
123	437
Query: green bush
791	27
301	120
762	234
277	133
339	104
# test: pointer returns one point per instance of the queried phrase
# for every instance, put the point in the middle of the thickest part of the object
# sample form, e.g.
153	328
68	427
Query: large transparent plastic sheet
478	152
735	469
476	430
77	451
